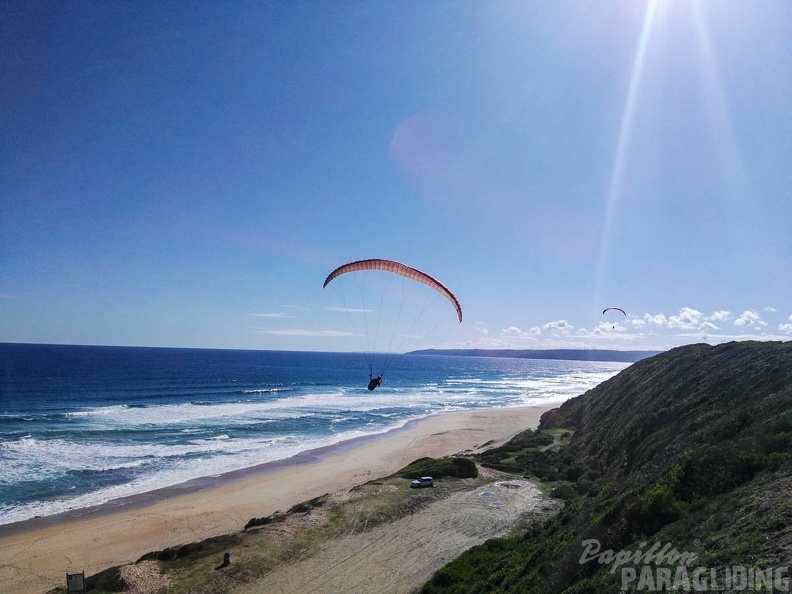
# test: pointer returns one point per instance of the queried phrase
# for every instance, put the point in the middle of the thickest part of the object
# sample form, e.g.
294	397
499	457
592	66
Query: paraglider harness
374	382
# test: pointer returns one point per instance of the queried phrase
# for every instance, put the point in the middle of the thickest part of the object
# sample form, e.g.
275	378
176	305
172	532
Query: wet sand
36	555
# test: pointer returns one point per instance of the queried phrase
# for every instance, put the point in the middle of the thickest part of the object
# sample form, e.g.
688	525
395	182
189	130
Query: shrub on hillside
453	466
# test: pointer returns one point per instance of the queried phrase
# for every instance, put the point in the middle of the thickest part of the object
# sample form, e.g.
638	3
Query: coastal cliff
691	448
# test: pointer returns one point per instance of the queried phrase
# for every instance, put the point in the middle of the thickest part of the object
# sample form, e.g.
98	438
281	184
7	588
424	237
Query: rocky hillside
691	448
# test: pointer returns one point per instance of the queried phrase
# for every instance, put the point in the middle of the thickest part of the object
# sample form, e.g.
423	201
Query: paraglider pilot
374	382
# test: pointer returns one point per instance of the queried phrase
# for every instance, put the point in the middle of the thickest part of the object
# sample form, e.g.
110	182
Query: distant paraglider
607	309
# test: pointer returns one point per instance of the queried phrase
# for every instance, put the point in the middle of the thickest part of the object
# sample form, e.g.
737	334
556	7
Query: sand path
401	556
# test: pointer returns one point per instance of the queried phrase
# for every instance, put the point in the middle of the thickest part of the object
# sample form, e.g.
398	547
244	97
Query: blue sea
85	425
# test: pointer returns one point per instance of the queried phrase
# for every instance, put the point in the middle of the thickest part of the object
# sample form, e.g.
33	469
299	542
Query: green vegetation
535	454
107	581
307	506
452	466
192	550
303	507
692	447
563	491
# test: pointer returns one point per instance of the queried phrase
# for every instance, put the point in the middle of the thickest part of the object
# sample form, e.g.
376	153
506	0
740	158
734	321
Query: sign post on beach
75	582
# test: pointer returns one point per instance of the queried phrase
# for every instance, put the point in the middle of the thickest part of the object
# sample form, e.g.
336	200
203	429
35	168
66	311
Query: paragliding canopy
607	309
392	308
401	270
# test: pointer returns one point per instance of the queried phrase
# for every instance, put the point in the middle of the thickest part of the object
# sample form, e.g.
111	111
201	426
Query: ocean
81	426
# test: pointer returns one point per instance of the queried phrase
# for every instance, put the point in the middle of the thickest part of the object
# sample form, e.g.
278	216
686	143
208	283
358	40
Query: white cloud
480	328
349	309
272	315
701	336
747	317
687	318
750	318
300	332
560	325
770	309
607	332
643	331
720	316
658	320
486	343
742	336
605	327
515	332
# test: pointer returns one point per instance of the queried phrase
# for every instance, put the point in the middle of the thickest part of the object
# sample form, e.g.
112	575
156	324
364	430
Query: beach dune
37	554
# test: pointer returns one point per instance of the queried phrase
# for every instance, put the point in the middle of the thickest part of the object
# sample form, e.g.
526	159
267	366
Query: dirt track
403	555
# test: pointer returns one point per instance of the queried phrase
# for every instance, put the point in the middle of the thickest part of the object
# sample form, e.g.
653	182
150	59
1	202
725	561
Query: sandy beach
36	555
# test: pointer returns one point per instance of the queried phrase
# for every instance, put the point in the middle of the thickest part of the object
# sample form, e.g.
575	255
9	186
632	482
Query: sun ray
717	107
622	147
738	198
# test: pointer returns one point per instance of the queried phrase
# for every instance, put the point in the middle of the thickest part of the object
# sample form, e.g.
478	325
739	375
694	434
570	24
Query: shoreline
40	550
137	501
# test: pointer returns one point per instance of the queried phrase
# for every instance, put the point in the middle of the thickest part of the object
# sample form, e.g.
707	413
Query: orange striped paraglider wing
401	270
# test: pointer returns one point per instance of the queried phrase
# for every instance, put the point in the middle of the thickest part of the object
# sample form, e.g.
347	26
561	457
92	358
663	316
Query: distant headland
564	354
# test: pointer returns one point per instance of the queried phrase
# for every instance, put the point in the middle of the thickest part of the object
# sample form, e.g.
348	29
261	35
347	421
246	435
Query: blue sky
187	174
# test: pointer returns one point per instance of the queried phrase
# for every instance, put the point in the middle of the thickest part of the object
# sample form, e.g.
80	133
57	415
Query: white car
424	481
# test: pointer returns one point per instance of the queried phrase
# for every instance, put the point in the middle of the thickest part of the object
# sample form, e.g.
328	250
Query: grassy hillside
692	447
